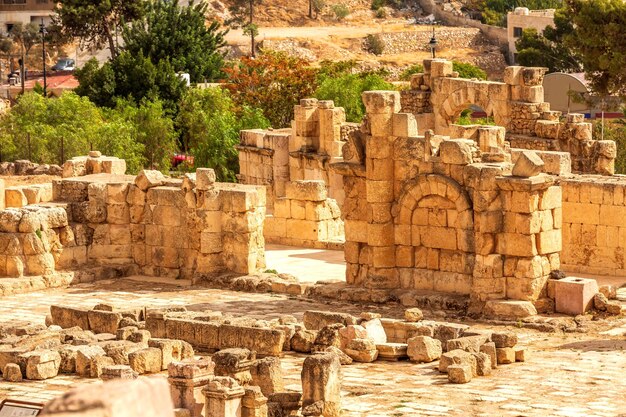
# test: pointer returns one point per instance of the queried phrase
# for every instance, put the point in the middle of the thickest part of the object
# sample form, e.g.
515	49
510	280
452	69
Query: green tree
274	82
345	90
168	31
548	49
97	23
132	77
210	129
152	132
598	40
242	16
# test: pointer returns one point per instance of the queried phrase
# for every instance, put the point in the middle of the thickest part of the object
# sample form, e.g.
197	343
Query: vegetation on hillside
493	12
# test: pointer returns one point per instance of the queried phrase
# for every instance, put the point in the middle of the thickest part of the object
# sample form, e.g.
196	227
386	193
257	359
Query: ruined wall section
291	160
171	228
594	225
434	213
305	217
517	104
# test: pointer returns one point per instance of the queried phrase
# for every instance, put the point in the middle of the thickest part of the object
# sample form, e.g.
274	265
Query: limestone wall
147	224
438	96
173	228
594	225
305	217
289	159
442	214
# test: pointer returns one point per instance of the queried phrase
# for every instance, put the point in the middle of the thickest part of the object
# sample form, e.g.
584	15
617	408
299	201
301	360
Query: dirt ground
568	374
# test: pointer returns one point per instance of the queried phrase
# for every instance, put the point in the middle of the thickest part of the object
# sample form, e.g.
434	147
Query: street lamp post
44	32
433	43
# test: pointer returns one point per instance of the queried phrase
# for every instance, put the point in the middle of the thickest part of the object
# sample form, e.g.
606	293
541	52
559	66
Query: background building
24	11
522	18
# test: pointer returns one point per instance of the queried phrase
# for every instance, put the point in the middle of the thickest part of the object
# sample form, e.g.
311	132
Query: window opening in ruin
474	115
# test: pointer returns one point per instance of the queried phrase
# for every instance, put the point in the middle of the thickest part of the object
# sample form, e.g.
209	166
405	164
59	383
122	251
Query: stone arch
491	96
434	188
434	233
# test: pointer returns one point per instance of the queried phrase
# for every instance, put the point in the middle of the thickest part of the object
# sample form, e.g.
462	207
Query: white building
522	18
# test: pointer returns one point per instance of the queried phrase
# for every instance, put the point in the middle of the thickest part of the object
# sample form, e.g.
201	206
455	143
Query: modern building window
517	32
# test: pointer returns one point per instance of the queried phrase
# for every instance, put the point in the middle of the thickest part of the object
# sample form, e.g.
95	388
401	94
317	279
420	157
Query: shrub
381	13
413	69
375	44
340	11
377	4
466	70
345	91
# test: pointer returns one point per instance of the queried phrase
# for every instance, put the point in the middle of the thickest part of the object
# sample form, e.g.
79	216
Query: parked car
64	64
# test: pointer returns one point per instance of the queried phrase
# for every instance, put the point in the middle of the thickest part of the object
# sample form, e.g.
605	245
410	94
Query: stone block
574	295
528	164
505	355
483	364
67	317
84	358
459	374
380	102
117	372
375	330
146	361
504	339
147	179
509	309
362	350
40	364
205	178
404	125
321	381
392	351
456	151
310	190
423	349
490	349
316	320
12	373
104	321
469	343
457	357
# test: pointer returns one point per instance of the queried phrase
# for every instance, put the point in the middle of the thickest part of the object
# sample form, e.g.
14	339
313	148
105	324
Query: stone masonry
434	213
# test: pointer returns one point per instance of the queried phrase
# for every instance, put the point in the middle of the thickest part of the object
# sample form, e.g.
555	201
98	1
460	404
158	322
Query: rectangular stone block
574	295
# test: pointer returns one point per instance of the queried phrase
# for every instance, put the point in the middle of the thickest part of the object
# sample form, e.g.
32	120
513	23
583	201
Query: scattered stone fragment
41	364
490	349
367	315
145	361
362	350
520	354
459	374
12	372
392	351
423	349
413	315
483	364
504	340
505	355
457	357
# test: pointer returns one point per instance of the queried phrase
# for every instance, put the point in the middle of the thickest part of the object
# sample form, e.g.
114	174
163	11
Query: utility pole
44	32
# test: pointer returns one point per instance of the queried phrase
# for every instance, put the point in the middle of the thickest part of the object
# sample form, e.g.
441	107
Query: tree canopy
97	23
597	38
132	77
167	31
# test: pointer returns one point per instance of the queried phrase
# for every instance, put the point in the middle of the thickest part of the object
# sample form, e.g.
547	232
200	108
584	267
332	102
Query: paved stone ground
328	264
567	375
